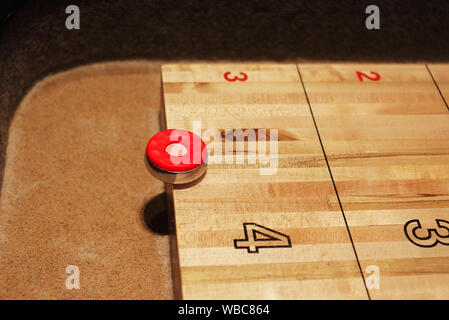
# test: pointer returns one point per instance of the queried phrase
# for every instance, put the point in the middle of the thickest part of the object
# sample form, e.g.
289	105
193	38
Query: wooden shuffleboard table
354	199
326	126
324	181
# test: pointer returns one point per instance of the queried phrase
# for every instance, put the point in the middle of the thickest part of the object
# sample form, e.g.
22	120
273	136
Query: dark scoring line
436	85
333	182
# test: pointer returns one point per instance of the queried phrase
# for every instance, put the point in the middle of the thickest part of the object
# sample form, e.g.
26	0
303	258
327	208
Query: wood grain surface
387	143
297	200
382	138
440	73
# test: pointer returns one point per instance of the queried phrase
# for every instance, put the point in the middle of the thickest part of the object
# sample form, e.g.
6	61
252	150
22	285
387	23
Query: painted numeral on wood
243	77
361	75
427	238
257	236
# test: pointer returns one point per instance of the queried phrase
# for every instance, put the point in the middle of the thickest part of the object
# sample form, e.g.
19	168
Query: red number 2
375	74
243	77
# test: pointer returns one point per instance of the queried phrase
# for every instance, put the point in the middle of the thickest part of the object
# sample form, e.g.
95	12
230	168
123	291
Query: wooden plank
440	73
297	200
387	142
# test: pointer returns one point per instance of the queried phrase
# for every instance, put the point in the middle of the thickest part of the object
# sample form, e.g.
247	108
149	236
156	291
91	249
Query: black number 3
431	237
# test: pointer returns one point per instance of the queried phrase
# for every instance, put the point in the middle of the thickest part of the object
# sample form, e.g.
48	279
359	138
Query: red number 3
243	77
375	74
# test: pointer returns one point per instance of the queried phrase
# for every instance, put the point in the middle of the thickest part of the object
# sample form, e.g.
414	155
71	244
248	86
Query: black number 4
257	236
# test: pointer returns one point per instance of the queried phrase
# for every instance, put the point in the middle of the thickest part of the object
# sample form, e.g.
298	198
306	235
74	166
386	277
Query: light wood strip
440	74
321	289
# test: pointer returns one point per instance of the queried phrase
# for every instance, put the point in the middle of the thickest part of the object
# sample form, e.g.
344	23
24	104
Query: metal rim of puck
177	156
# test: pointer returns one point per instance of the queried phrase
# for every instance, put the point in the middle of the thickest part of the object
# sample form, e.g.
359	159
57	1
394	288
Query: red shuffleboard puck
177	156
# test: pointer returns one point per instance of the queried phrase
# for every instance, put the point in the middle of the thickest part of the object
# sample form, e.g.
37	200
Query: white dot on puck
176	150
